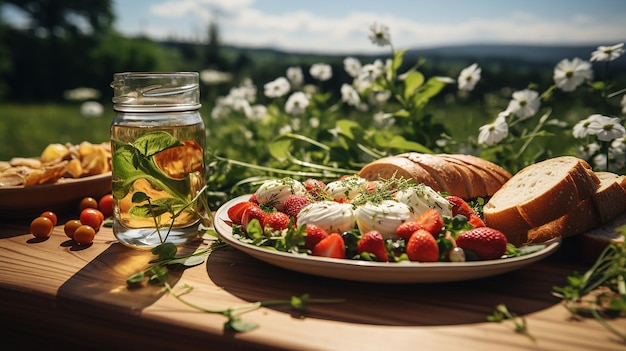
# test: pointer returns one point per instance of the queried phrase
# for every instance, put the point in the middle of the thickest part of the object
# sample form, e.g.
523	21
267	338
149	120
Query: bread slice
387	167
538	194
591	243
578	220
610	197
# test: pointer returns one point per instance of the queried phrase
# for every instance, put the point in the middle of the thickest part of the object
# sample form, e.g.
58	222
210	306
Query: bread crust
468	177
610	197
490	182
386	167
580	219
449	179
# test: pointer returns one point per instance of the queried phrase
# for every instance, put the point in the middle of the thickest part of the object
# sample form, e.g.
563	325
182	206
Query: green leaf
155	142
399	142
346	127
398	58
165	250
136	278
432	87
279	147
239	325
412	81
140	196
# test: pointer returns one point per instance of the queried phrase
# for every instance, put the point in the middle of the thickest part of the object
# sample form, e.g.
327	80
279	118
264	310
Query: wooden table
55	294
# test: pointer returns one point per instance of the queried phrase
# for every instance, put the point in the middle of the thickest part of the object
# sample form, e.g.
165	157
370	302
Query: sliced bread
591	243
539	194
610	197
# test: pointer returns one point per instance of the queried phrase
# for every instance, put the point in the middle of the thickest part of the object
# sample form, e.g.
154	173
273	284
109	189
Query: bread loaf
539	194
466	176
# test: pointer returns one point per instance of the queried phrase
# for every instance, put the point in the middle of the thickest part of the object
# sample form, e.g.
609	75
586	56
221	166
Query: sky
341	26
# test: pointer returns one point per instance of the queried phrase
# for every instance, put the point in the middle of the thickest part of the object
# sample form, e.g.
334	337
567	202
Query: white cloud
241	23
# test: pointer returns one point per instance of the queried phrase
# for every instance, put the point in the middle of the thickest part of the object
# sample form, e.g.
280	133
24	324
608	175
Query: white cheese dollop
275	191
384	217
345	189
333	217
422	197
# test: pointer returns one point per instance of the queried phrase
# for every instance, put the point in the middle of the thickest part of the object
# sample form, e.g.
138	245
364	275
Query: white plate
64	195
375	272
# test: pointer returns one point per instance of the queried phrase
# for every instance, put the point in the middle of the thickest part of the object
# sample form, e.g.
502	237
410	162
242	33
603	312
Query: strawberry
459	206
331	246
294	203
253	199
373	243
475	221
250	213
487	243
431	221
405	229
315	188
422	247
314	234
275	222
235	212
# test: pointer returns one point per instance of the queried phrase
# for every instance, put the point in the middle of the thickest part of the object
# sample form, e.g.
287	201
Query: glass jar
157	143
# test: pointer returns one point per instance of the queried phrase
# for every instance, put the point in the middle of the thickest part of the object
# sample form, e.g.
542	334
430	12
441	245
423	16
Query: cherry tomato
51	215
41	227
91	217
84	235
105	205
88	202
70	227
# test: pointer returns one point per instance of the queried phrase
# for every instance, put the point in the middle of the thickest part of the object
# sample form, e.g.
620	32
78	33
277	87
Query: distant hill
532	53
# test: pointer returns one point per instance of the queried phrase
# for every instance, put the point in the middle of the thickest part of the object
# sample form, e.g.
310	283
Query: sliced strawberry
405	229
314	234
422	247
235	212
475	221
459	206
487	243
253	199
373	243
294	203
316	188
250	213
275	222
431	221
331	246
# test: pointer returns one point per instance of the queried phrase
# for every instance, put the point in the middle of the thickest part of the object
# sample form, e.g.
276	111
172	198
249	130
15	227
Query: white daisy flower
608	53
469	77
581	129
493	133
277	88
297	103
349	95
525	103
352	66
568	75
295	76
321	71
379	34
606	128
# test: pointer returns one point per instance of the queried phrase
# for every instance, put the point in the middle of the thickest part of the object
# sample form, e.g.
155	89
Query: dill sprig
385	189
